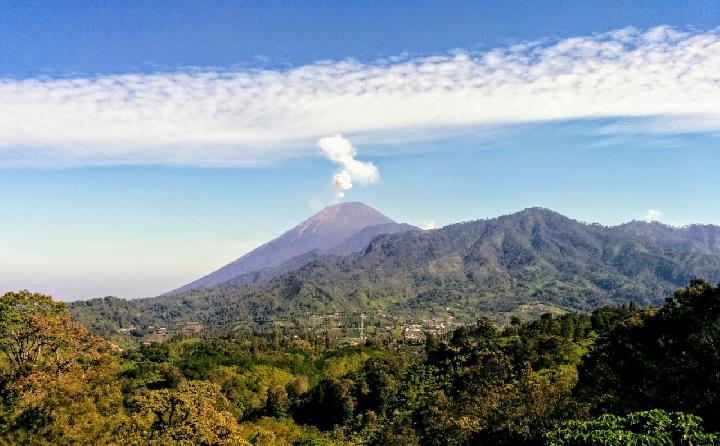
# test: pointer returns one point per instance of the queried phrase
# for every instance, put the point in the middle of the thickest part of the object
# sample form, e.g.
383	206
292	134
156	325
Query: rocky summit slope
338	230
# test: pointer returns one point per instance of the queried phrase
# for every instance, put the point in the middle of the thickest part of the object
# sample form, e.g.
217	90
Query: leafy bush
650	428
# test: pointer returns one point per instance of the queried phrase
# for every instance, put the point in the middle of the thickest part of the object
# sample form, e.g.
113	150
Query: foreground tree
37	333
667	359
56	380
652	428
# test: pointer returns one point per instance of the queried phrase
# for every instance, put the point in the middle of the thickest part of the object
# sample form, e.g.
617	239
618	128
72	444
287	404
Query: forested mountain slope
494	266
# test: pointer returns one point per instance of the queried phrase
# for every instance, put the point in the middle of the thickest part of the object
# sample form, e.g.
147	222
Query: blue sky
143	144
120	36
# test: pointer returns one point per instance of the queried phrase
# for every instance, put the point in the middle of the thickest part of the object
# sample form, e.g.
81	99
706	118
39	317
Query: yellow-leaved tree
56	379
195	413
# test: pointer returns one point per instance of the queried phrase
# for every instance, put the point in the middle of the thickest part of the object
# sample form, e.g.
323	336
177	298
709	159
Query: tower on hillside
362	326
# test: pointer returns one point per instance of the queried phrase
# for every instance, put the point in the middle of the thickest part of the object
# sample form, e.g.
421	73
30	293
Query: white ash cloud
340	150
341	182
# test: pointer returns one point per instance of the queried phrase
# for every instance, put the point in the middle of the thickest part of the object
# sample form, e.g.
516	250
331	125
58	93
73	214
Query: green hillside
502	267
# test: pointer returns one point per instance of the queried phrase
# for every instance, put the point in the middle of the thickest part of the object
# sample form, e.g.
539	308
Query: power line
120	162
122	189
105	181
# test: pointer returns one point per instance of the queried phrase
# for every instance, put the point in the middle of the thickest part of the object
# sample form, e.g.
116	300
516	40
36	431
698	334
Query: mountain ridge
494	267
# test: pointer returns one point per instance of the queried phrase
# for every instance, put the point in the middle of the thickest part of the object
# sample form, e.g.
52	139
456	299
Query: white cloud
341	151
205	117
428	225
653	215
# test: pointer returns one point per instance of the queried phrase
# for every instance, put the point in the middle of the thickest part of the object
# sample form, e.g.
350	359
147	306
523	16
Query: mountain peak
352	206
536	210
537	214
354	213
340	229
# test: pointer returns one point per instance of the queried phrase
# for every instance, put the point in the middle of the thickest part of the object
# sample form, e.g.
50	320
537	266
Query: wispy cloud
247	117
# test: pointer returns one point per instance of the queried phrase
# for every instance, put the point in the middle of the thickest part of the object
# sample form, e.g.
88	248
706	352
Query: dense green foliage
620	375
652	428
667	359
457	273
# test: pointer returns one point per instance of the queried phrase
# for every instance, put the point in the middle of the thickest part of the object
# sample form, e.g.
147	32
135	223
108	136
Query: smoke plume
341	151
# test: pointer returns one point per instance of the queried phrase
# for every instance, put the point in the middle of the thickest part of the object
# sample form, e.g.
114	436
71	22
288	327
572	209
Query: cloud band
239	118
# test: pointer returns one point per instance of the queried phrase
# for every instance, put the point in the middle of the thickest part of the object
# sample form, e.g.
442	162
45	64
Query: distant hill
703	239
500	266
337	230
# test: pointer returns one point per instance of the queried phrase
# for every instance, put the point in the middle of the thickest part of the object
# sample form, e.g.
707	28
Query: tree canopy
619	375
